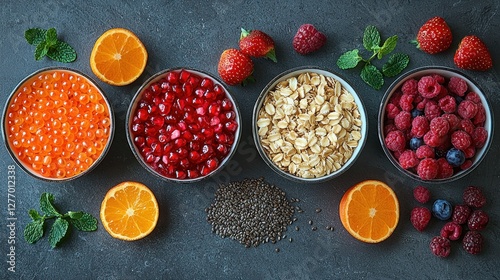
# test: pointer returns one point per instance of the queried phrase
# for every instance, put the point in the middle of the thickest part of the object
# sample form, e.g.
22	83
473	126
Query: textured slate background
193	34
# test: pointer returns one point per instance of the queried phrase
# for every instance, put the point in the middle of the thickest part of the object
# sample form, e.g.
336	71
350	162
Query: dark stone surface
193	34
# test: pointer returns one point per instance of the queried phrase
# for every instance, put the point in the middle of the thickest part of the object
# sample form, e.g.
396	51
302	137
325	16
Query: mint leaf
349	59
388	46
372	76
34	36
396	63
41	50
51	37
33	231
371	38
62	52
74	215
58	231
46	205
34	215
85	222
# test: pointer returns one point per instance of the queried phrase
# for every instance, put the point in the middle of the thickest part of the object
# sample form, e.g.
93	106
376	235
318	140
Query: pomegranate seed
192	174
199	92
164	108
139	141
138	128
162	138
214	109
200	111
181	104
175	134
165	86
218	128
142	114
214	121
183	76
187	135
168	147
194	80
183	152
205	170
210	95
194	146
155	88
179	174
221	138
188	89
177	89
150	131
182	126
169	97
222	149
194	156
231	126
172	77
212	163
227	104
157	121
184	163
180	142
219	90
207	83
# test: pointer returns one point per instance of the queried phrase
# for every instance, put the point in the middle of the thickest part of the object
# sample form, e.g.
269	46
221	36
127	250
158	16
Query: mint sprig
47	44
370	74
34	230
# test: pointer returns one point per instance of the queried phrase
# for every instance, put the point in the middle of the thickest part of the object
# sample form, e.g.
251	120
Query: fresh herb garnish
34	230
47	44
370	74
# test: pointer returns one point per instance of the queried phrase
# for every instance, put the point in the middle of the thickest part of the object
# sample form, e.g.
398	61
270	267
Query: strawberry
434	36
256	43
472	54
235	67
308	39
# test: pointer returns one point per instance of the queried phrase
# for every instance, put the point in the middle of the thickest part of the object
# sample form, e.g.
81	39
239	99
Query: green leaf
33	231
58	231
371	38
349	59
51	37
74	215
41	50
85	223
46	205
372	76
62	52
396	63
34	215
34	35
388	46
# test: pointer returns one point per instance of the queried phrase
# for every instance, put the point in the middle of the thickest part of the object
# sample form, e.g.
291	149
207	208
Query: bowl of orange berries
435	124
57	124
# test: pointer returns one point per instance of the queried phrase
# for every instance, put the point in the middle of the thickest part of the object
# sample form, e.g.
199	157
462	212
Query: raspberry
410	87
474	97
440	246
427	169
420	217
421	194
406	102
442	93
308	39
440	79
392	111
467	126
440	126
425	151
461	214
480	118
432	110
457	85
403	120
474	197
394	99
453	120
408	159
460	139
466	165
442	209
389	127
477	220
470	152
419	126
421	104
428	87
473	242
467	109
451	230
479	137
445	169
447	104
433	140
395	140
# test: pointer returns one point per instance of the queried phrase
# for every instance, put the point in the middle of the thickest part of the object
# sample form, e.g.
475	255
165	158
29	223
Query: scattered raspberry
395	140
410	87
466	165
447	104
440	79
474	97
473	242
421	194
419	126
432	110
408	159
467	126
420	217
461	214
474	197
427	169
425	151
457	85
406	102
308	39
479	137
480	118
461	139
445	169
440	246
403	120
428	87
433	140
440	126
478	220
451	230
467	109
453	120
391	111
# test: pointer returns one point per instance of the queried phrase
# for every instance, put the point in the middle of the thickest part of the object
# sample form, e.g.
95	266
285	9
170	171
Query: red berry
445	169
479	137
432	110
395	141
467	109
439	126
420	217
419	126
256	43
403	120
474	197
235	67
408	159
308	39
425	151
461	139
427	169
440	246
428	87
447	104
478	220
406	102
461	214
433	140
410	87
434	36
473	242
457	86
472	54
392	111
421	194
451	230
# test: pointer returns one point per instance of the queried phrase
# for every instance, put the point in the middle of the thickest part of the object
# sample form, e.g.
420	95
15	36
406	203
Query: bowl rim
4	126
133	104
451	71
345	83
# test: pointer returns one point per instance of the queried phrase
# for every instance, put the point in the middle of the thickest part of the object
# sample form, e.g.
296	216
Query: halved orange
129	211
118	57
369	211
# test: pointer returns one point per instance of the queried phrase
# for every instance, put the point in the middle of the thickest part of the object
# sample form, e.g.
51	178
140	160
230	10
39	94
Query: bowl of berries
183	125
435	124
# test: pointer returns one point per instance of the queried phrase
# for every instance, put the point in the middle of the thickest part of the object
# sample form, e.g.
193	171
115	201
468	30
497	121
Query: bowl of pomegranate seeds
309	125
57	124
435	124
183	125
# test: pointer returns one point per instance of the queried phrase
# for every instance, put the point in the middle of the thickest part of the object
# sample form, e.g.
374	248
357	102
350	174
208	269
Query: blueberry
415	143
458	99
455	157
416	112
442	209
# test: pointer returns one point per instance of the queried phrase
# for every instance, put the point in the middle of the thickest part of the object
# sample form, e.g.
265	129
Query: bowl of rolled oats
309	124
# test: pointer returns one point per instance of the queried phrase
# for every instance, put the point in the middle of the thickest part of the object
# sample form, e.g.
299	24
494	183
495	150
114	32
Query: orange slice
118	57
129	211
369	211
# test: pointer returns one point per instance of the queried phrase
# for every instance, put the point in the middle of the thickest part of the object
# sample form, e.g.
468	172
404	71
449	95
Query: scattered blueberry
415	143
442	209
416	112
455	157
